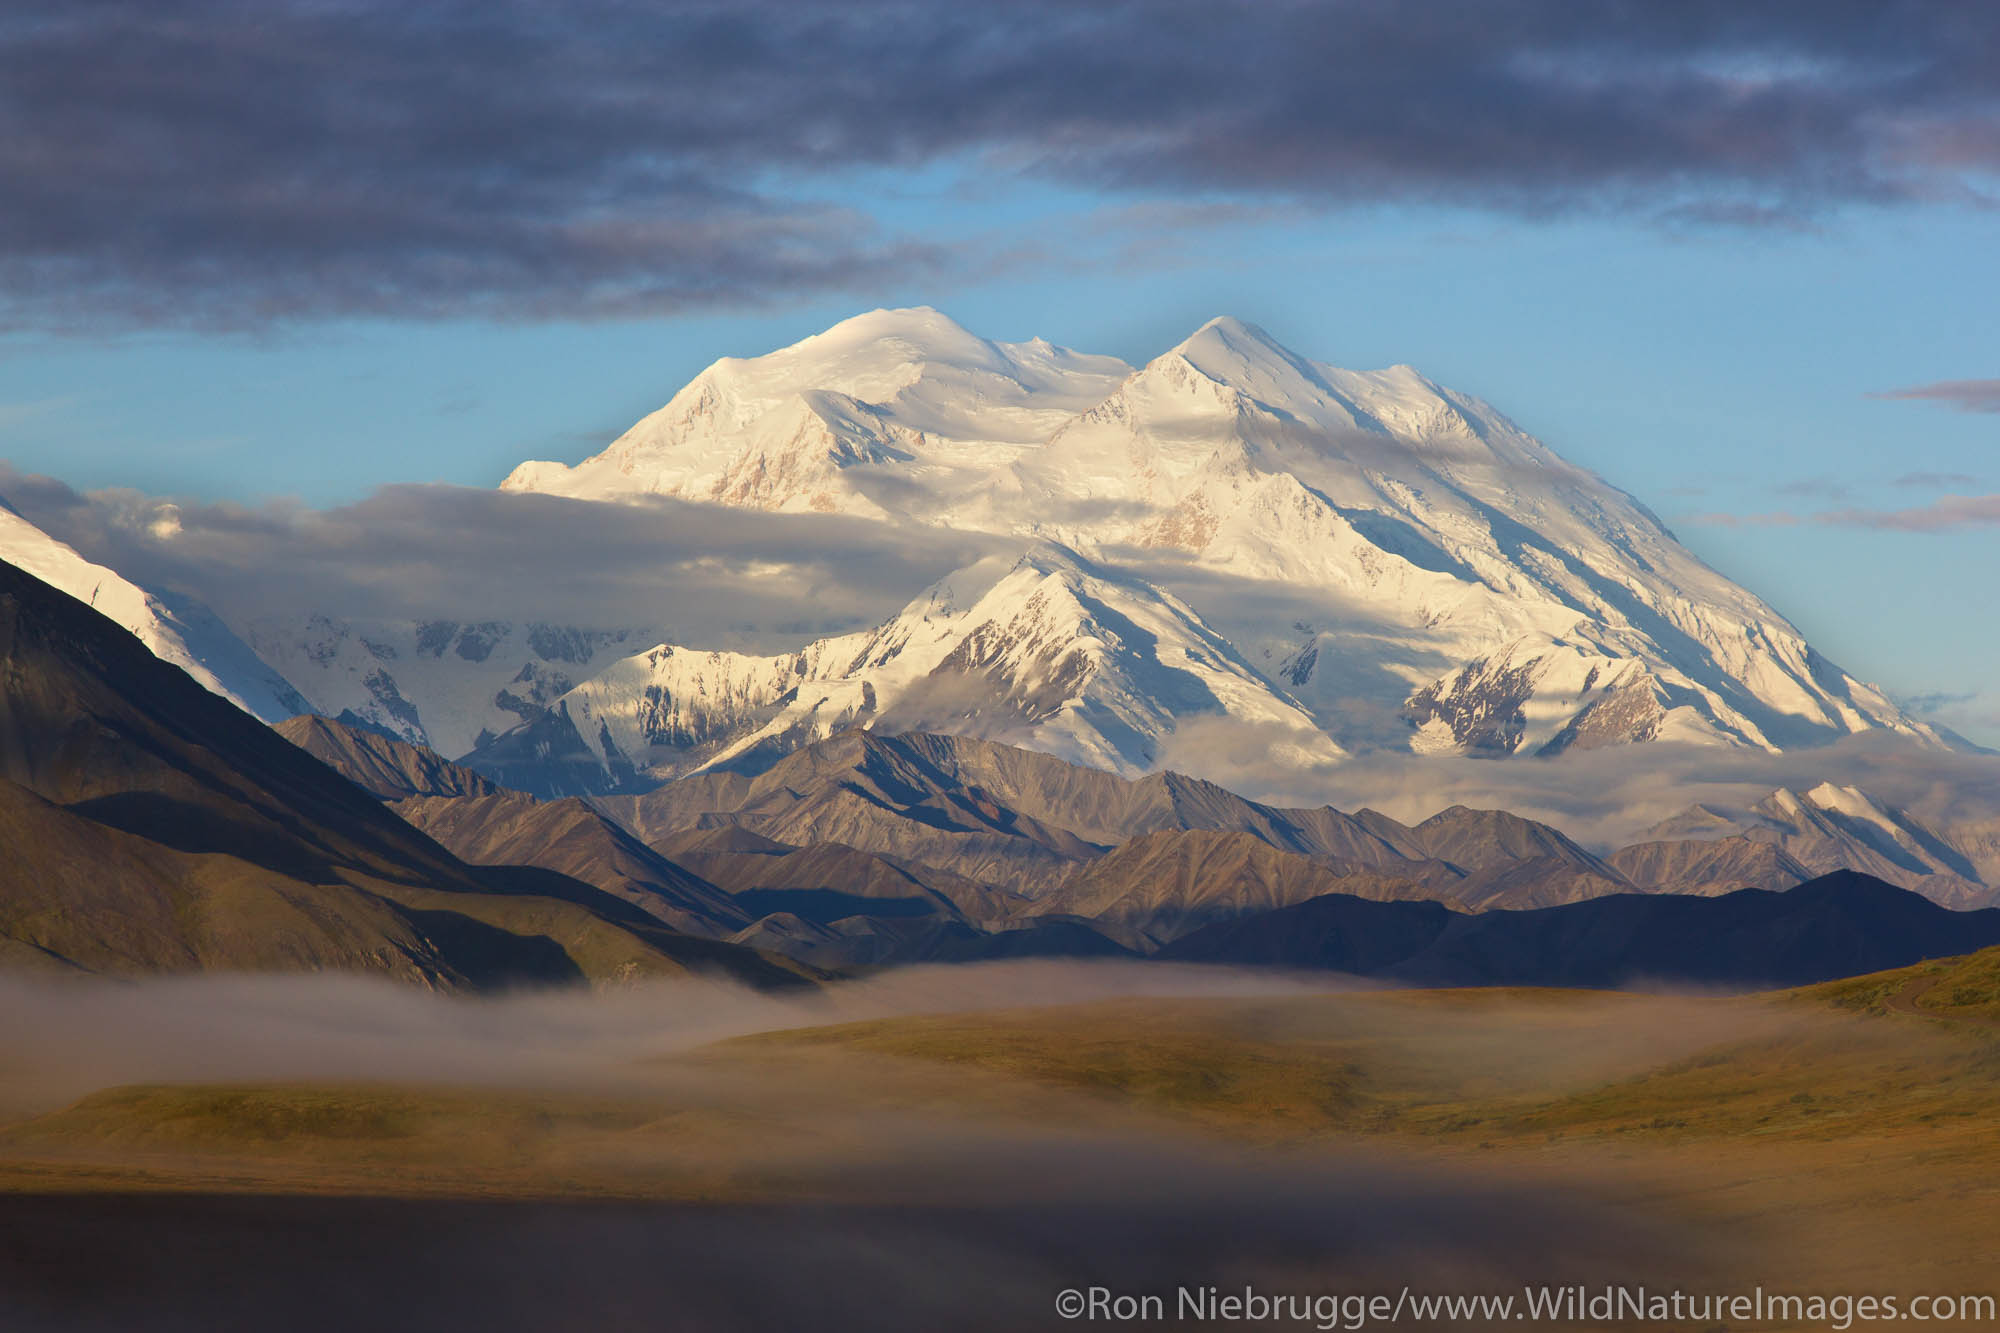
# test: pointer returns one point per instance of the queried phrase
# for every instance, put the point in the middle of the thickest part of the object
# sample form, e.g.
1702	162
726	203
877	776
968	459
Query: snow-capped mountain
445	684
177	629
1047	649
1835	827
1390	559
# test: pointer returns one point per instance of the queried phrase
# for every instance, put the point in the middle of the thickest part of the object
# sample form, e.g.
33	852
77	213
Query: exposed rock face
1630	711
1578	700
1478	710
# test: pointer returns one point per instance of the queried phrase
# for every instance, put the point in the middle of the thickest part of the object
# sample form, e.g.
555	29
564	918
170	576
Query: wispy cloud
1819	488
222	161
1778	519
1935	480
715	577
1973	713
20	413
1942	514
1960	395
1607	798
1936	701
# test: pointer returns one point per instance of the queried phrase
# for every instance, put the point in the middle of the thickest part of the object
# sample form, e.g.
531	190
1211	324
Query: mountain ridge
925	847
1838	925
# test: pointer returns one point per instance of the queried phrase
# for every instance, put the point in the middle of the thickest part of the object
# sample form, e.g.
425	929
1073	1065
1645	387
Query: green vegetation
1966	989
382	1140
1490	1065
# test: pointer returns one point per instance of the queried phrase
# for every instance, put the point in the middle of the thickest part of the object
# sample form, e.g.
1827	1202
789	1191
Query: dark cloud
716	577
1963	395
222	161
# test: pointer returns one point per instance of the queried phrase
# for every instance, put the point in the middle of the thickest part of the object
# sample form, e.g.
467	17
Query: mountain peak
1243	356
902	383
1397	401
923	328
1229	326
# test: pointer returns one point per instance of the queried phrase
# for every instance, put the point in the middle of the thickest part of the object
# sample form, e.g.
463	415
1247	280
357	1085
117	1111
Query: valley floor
959	1170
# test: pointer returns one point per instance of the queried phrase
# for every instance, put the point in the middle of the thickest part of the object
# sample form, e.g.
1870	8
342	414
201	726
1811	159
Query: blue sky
1684	248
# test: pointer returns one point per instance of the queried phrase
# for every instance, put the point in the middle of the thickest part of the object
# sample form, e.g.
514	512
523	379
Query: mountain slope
916	798
1512	862
483	824
80	896
510	829
827	881
1160	886
162	827
1722	866
392	769
176	629
1427	512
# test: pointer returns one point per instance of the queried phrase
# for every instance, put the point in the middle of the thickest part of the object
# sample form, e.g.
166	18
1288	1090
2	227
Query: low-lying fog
867	1204
66	1038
